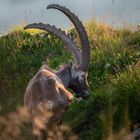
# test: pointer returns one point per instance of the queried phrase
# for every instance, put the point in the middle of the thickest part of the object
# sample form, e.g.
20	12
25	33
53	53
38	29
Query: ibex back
47	90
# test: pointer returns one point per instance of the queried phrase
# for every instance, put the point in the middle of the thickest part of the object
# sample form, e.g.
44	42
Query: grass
114	78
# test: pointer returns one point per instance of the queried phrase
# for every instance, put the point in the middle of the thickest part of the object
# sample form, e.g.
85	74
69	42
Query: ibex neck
65	75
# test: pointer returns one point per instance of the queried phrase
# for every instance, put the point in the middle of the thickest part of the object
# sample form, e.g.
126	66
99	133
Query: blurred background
115	12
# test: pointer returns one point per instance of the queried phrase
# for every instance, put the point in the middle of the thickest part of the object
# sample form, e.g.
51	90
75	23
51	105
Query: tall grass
114	78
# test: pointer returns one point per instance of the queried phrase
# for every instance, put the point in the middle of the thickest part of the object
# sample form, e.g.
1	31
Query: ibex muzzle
51	87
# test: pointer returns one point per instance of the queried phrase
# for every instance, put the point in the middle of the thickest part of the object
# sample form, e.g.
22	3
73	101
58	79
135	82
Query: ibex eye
83	75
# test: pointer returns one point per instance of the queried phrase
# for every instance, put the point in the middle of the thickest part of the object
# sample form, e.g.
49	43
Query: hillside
113	108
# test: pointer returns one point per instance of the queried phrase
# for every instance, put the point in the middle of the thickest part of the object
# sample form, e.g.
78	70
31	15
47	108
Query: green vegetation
114	78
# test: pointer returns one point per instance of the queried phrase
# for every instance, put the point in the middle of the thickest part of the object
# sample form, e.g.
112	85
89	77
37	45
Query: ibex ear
70	63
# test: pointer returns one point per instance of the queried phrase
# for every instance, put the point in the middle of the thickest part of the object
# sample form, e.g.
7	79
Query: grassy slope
114	78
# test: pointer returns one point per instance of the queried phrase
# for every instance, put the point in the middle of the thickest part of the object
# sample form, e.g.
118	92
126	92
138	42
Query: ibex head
77	79
79	83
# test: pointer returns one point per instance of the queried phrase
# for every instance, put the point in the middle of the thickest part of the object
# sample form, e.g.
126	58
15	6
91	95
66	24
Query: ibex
49	88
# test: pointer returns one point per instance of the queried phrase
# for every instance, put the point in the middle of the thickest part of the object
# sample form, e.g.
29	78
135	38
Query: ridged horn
57	32
82	34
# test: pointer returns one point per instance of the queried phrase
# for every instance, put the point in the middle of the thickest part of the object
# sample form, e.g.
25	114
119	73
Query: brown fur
46	95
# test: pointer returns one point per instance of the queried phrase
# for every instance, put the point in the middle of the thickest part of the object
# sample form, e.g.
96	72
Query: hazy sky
15	12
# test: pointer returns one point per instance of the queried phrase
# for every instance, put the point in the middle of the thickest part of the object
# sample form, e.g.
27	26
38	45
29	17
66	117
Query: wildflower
41	35
107	65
